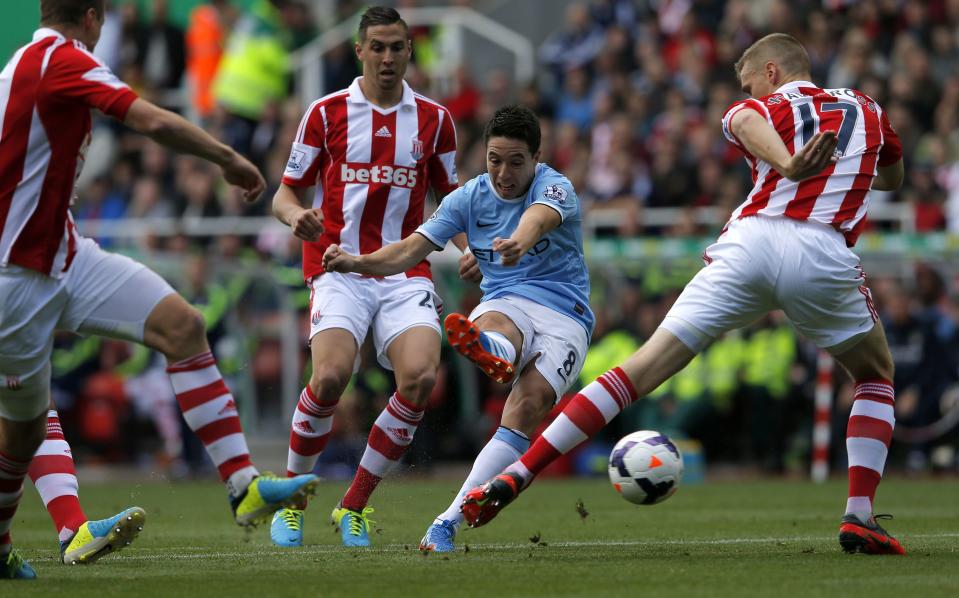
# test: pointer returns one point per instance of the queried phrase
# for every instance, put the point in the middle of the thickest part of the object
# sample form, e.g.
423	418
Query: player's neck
383	98
67	31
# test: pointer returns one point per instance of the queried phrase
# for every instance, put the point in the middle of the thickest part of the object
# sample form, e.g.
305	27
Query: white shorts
103	293
762	264
560	341
389	306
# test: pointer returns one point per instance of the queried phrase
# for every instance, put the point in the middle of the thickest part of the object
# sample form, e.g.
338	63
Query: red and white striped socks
210	411
312	422
12	472
55	478
868	435
585	415
391	435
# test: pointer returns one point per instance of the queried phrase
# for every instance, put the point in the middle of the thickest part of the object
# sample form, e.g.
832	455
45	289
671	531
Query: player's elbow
889	178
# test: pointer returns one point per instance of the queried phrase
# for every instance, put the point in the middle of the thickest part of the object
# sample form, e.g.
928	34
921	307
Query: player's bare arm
306	223
177	133
889	178
392	259
762	141
537	220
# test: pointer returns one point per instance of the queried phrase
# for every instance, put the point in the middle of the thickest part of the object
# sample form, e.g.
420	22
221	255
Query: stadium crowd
630	94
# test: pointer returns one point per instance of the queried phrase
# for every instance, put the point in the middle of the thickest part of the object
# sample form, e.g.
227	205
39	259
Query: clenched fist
337	260
308	225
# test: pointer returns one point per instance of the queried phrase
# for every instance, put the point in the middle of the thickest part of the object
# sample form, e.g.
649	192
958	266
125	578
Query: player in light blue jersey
524	226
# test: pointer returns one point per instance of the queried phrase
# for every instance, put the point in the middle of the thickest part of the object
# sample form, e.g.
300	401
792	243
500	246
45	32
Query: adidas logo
305	427
384	132
230	408
400	433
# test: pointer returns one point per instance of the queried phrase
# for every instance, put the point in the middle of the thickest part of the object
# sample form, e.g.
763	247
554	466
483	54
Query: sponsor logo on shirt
382	174
555	193
488	255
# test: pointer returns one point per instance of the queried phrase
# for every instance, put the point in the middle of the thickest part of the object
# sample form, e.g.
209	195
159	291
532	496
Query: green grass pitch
751	538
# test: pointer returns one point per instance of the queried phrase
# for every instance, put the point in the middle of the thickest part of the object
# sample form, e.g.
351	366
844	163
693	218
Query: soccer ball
645	467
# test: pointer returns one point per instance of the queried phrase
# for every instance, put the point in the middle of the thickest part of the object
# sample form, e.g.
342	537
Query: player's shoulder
760	105
328	99
425	102
74	53
552	185
851	93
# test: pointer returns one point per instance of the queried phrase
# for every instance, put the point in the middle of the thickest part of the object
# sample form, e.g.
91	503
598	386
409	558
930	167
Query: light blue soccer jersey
553	273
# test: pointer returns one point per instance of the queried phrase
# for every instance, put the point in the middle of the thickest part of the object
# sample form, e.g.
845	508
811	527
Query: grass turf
750	538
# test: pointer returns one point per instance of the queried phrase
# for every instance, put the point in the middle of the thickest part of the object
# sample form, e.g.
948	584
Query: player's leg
334	352
19	439
489	339
585	415
114	296
825	295
529	401
54	475
868	435
415	357
553	348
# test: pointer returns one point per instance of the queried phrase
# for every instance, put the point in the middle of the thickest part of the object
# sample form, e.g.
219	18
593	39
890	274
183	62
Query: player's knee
416	385
530	407
186	327
328	383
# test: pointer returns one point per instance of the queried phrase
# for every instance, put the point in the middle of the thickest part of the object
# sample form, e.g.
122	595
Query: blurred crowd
630	94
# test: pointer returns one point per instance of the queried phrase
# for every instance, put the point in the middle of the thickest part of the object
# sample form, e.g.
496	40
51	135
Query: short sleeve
749	104
557	194
443	162
448	220
891	151
76	75
306	155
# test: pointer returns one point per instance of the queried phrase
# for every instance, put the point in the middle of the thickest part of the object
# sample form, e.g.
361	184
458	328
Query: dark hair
68	12
379	15
515	122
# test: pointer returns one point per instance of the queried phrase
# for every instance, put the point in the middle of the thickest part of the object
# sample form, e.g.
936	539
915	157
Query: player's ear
536	156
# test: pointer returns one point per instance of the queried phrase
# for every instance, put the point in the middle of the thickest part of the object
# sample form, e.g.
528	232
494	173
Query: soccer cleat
439	538
483	503
14	567
268	493
354	526
96	539
868	537
464	336
287	528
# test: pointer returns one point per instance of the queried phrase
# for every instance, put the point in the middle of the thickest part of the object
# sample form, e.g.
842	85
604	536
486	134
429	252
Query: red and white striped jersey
839	195
371	168
46	93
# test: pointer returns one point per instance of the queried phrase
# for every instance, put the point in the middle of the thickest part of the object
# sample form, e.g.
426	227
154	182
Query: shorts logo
381	174
13	383
296	161
315	318
417	151
555	193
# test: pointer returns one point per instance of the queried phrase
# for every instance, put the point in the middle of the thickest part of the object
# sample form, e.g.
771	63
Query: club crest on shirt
555	193
416	151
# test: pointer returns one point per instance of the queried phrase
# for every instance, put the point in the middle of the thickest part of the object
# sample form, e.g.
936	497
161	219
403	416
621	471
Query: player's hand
509	250
813	157
337	260
241	172
308	224
469	268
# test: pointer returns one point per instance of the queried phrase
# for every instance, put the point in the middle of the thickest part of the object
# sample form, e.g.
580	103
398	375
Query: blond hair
781	48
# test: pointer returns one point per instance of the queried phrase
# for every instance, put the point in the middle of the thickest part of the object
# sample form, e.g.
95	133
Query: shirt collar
356	95
45	32
794	85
